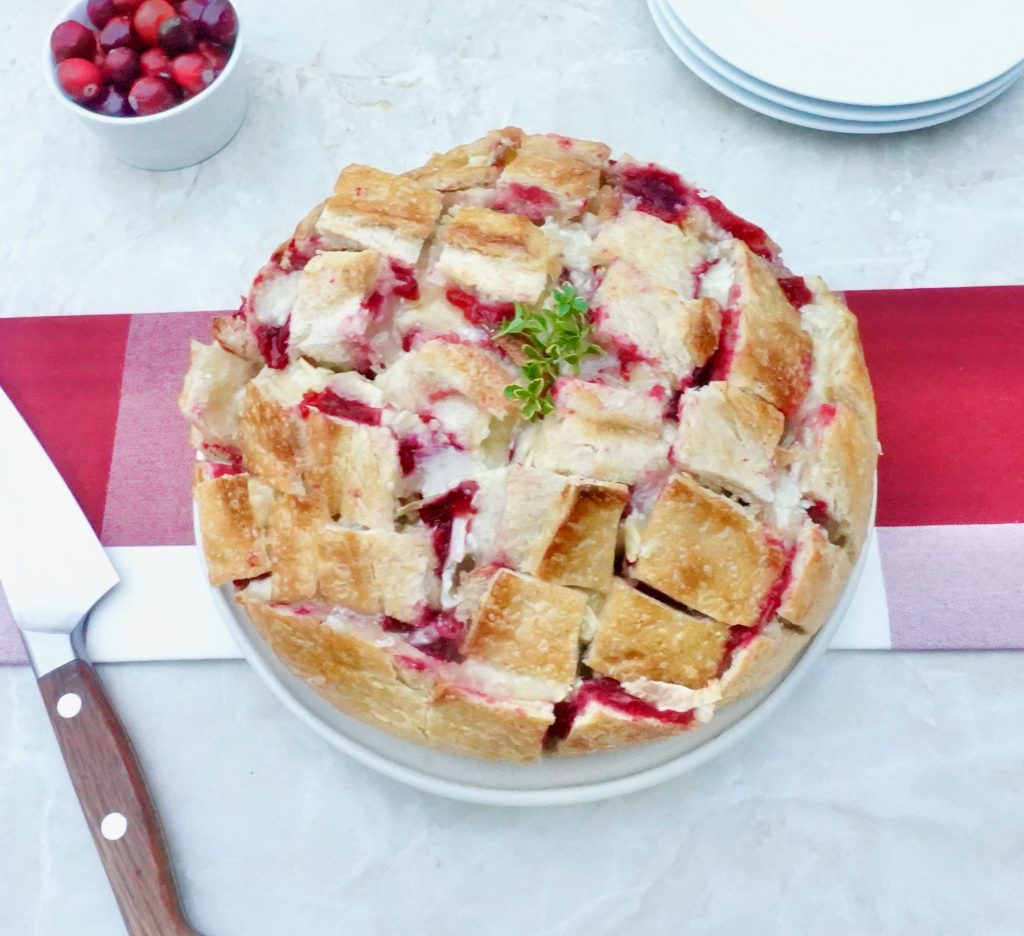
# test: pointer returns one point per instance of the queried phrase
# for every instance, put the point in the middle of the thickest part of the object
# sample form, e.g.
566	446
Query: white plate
547	782
802	118
873	52
823	108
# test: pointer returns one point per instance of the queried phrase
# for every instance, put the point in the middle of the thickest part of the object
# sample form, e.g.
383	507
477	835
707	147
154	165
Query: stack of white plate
874	66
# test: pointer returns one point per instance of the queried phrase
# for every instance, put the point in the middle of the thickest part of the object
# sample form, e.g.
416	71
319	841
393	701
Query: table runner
945	569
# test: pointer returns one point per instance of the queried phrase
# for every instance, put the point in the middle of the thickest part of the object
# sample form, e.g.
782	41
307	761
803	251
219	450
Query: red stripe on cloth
64	376
948	371
148	497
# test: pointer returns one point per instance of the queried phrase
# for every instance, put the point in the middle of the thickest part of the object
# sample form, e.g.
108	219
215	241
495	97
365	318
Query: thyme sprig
556	340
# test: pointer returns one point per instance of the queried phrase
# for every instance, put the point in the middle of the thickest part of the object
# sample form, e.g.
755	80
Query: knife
53	570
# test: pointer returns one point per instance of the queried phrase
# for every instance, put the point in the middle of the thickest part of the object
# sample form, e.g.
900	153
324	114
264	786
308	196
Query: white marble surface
884	799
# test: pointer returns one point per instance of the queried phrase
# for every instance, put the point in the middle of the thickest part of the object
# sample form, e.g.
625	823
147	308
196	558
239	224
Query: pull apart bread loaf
485	543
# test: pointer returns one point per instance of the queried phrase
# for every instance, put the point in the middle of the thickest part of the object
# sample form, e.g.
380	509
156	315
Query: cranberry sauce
440	513
405	285
438	634
230	459
820	514
796	291
665	195
609	693
754	237
531	201
658	192
478	312
717	367
329	403
272	341
772	600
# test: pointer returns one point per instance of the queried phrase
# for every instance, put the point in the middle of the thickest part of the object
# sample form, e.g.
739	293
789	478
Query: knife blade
52	566
53	569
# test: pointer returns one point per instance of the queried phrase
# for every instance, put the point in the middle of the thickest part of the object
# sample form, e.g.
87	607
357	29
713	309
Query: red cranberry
117	33
81	80
100	12
219	22
121	67
192	9
177	35
112	103
215	54
156	64
149	16
151	96
72	40
193	71
126	7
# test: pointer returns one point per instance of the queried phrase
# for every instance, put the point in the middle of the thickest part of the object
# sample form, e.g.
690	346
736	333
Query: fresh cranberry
177	35
81	80
121	67
192	9
215	54
117	33
192	71
112	103
148	17
156	64
126	7
100	12
151	95
72	40
219	22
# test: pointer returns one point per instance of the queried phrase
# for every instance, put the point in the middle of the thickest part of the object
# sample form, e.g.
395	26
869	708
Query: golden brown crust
839	372
561	529
817	575
639	637
355	468
233	547
528	627
502	256
346	666
772	355
704	550
468	722
211	398
728	438
293	526
376	210
762	661
568	171
837	463
269	438
376	571
470	165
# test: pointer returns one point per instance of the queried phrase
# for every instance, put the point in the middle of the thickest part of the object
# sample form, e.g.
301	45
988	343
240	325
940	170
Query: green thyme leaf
555	341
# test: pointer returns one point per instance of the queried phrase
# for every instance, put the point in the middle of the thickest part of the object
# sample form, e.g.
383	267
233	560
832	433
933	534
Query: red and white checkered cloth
948	371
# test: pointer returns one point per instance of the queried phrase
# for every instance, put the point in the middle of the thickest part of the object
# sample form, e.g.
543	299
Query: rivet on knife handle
115	800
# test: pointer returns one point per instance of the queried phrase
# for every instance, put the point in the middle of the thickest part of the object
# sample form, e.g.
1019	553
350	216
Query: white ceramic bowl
179	137
550	781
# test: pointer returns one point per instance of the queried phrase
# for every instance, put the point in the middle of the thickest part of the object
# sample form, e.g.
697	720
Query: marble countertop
884	798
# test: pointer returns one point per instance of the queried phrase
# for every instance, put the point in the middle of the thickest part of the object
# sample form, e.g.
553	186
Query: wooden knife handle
115	800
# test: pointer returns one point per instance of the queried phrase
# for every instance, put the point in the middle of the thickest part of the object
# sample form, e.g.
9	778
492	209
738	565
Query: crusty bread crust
639	637
706	551
667	536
